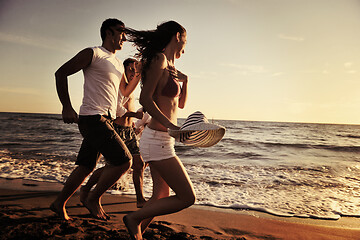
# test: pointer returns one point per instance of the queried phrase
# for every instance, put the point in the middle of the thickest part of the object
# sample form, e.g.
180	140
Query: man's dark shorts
127	134
100	138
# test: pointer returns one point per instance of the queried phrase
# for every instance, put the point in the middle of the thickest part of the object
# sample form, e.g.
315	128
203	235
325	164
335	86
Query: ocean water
285	169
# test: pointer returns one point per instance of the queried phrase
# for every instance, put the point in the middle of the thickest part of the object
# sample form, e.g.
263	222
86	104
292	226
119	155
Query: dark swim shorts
100	137
128	135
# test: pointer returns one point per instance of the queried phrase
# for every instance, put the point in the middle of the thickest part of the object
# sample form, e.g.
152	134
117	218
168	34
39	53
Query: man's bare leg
138	179
75	179
110	174
85	189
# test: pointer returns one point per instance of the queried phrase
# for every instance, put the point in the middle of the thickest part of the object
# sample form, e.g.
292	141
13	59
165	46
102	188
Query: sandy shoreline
25	214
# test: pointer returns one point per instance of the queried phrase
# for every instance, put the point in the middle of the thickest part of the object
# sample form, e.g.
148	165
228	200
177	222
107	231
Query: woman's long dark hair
151	42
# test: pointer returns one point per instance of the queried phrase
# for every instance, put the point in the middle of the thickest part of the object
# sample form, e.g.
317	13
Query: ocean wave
334	215
274	145
10	144
237	142
314	146
32	116
236	206
349	136
247	155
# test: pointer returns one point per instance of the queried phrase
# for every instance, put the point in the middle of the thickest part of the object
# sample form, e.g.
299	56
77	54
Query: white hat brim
199	135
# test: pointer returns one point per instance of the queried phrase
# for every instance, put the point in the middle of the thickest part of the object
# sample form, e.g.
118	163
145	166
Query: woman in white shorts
164	90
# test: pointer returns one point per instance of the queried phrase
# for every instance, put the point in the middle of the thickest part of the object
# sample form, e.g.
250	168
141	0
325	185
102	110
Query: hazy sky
265	60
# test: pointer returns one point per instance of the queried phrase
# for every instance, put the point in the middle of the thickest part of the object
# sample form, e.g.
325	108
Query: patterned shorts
127	134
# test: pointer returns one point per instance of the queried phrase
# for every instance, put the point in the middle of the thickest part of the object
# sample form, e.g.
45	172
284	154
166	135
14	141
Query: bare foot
133	228
84	193
60	211
103	211
94	208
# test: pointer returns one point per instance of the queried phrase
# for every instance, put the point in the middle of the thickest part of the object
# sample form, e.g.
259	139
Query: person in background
123	126
161	96
103	72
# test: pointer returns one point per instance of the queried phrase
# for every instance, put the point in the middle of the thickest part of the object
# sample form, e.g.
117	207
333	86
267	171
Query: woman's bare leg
174	174
160	190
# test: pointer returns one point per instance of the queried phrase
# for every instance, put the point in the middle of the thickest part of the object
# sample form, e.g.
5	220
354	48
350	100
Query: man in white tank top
123	125
103	72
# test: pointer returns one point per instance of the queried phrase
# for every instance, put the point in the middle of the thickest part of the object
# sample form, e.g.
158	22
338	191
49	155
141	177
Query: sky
258	60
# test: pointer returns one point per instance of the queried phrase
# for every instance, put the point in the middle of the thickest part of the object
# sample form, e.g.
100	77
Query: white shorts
156	145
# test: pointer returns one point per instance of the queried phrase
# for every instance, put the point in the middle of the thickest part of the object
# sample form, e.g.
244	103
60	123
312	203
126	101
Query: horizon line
212	119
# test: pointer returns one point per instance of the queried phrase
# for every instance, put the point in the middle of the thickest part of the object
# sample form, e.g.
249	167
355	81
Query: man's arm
128	87
77	63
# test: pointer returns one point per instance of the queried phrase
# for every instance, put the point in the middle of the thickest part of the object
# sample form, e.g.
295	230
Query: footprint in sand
209	229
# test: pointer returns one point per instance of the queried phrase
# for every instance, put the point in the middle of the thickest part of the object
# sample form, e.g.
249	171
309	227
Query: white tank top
101	83
121	110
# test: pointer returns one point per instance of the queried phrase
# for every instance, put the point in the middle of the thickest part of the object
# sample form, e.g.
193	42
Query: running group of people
106	115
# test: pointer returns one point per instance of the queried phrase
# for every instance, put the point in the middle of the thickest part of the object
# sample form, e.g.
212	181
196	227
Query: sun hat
198	132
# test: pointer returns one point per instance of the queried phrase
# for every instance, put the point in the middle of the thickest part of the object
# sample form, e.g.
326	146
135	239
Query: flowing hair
151	42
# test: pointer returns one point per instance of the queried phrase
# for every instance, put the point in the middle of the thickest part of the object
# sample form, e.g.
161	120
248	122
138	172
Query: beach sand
25	214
